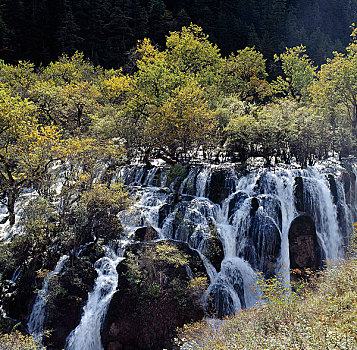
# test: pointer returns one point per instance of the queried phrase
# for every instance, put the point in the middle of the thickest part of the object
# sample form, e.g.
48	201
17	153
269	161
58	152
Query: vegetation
67	126
18	341
317	314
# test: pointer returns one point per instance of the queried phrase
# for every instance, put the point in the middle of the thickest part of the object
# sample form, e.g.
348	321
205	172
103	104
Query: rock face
219	190
144	313
304	248
146	233
69	295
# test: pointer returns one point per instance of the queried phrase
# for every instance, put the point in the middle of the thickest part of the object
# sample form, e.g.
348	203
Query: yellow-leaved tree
26	149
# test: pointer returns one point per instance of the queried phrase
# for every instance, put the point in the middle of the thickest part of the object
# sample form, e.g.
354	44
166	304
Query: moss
176	174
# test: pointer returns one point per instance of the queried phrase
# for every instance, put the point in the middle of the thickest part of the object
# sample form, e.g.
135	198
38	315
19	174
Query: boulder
219	188
304	248
153	297
146	233
213	250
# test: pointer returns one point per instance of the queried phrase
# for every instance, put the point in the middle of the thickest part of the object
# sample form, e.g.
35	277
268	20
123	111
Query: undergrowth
319	313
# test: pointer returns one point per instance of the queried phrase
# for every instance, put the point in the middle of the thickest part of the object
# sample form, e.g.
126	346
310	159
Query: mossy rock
68	297
153	297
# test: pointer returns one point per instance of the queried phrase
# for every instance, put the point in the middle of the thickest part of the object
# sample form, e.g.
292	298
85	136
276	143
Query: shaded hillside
107	30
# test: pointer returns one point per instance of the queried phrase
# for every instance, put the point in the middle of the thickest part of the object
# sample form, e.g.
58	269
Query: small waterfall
36	320
203	182
319	203
87	334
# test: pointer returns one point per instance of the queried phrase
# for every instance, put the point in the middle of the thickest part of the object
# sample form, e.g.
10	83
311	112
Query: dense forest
107	31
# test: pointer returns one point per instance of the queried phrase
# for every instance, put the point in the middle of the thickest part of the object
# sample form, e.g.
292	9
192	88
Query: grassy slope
321	314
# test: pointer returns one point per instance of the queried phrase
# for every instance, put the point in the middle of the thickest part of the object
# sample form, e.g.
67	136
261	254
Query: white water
36	320
251	239
87	334
191	220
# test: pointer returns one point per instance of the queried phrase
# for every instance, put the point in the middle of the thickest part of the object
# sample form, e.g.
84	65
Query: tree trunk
11	197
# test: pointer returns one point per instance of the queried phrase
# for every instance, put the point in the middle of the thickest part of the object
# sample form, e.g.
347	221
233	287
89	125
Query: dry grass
320	314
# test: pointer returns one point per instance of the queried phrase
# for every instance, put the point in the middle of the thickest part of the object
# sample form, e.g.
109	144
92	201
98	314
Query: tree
19	78
68	32
183	122
336	86
69	69
27	150
244	74
190	52
299	72
67	105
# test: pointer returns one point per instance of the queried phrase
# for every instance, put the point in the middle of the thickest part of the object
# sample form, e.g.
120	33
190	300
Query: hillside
107	31
320	313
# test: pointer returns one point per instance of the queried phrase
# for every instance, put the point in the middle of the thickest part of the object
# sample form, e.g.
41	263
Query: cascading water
252	221
250	213
36	320
87	334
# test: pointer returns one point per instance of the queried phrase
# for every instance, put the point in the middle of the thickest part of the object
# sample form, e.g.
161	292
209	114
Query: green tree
299	72
244	74
336	86
26	151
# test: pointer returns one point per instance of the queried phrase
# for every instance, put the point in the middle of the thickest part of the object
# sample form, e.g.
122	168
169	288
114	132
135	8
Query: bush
18	341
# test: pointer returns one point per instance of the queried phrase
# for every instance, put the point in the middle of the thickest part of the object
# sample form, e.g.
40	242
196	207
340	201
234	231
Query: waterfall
87	334
250	213
252	221
36	320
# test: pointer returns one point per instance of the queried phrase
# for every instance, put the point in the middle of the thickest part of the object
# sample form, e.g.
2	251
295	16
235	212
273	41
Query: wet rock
221	295
299	193
236	202
333	188
304	248
144	314
349	184
157	177
213	250
146	233
69	294
265	242
255	205
220	185
164	212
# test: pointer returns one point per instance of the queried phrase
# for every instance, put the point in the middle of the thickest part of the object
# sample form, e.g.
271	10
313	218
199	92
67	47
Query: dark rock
349	183
145	314
146	233
272	207
255	205
213	250
164	212
68	297
333	188
157	178
236	202
299	194
219	188
304	248
220	301
265	242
